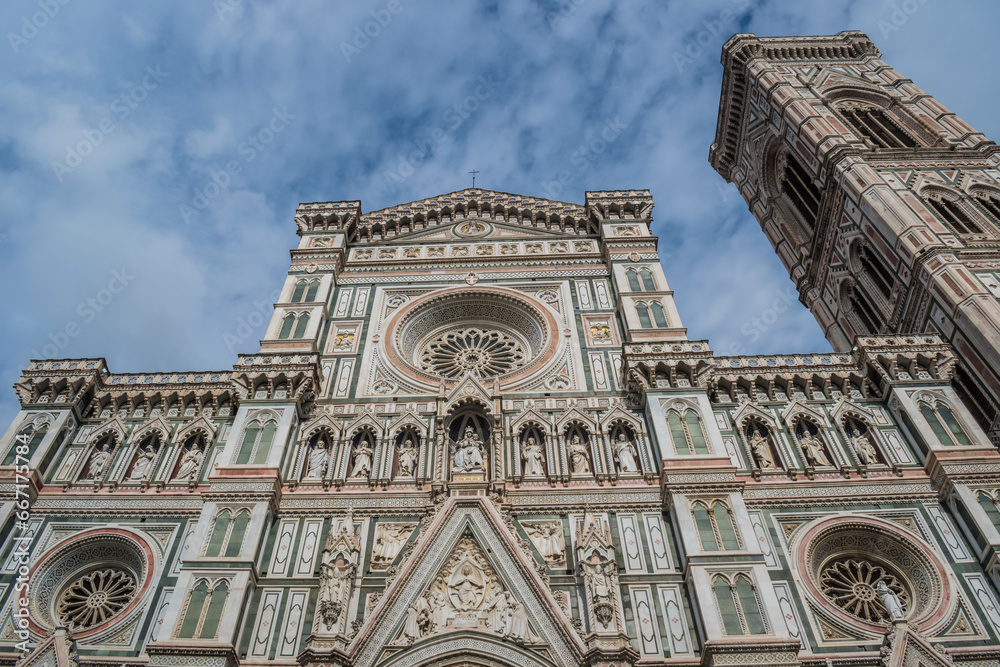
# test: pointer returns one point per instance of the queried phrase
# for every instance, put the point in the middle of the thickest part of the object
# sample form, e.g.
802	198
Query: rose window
483	352
850	584
95	598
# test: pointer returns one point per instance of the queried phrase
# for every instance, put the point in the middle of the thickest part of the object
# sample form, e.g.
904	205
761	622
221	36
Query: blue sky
116	117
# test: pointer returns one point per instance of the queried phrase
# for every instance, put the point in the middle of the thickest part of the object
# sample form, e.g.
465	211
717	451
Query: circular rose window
91	582
485	332
844	559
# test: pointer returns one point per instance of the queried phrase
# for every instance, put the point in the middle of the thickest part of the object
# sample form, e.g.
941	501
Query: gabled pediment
470	390
909	647
467	583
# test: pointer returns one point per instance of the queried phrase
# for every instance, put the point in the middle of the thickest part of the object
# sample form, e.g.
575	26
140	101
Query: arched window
256	442
300	327
204	610
647	280
311	292
286	326
863	316
875	125
30	436
633	280
730	613
952	213
874	268
300	290
798	186
739	605
658	315
687	433
228	534
945	425
989	503
716	530
990	203
643	312
746	595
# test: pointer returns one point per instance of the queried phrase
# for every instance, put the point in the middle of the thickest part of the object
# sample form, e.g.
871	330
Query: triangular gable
574	414
532	415
469	389
320	422
845	405
116	425
158	424
408	418
910	648
56	650
618	413
799	407
831	79
461	523
198	424
748	409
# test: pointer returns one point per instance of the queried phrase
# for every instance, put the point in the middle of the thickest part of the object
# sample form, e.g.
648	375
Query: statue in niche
533	462
813	449
319	457
625	453
761	450
407	458
362	459
890	601
334	584
600	575
548	539
99	463
190	463
863	447
467	454
578	454
143	466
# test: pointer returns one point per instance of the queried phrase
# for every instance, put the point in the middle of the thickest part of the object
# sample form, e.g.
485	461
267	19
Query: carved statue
890	601
864	449
499	608
814	451
389	539
599	575
532	454
407	457
362	458
519	629
625	454
761	450
143	464
418	620
578	456
548	539
439	612
99	463
334	584
467	454
190	463
319	457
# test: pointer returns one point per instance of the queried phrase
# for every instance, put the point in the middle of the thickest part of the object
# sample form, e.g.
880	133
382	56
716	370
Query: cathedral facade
477	433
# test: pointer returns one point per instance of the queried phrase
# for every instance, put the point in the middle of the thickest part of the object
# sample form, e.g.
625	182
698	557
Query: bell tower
883	205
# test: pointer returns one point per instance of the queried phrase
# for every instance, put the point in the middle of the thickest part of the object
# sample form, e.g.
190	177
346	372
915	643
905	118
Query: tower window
647	280
633	280
876	126
991	204
876	270
802	193
643	312
950	212
864	316
659	317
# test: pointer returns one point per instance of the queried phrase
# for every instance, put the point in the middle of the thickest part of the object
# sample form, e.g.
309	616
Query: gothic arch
203	426
466	648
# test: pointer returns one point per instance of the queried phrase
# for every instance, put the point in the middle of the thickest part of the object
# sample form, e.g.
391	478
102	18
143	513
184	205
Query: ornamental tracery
481	351
95	597
852	584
